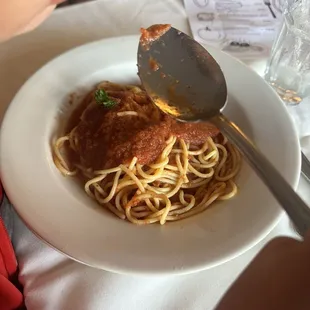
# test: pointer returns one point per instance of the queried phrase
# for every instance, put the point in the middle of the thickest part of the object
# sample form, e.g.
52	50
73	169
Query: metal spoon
185	81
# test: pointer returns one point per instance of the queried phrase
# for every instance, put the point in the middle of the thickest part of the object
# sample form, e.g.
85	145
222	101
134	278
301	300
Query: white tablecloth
51	280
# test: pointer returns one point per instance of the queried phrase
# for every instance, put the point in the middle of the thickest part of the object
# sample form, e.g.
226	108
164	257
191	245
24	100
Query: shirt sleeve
10	296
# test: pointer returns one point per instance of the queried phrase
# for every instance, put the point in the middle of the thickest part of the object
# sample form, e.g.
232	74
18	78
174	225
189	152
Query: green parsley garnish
103	99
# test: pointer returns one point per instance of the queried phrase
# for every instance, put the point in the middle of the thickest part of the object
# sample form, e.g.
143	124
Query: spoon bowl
190	84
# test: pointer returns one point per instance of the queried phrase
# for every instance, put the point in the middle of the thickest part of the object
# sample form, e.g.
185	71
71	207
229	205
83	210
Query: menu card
244	28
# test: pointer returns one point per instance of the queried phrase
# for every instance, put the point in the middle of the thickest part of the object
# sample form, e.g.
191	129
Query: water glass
288	69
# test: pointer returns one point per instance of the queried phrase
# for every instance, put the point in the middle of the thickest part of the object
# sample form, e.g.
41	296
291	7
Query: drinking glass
288	69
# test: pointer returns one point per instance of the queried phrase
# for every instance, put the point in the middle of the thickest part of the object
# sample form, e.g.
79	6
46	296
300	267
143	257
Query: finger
37	20
16	14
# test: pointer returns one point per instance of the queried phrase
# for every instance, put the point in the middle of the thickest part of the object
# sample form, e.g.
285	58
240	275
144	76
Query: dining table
50	279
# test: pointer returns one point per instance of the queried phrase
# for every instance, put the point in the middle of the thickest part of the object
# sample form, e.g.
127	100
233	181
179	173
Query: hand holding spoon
191	87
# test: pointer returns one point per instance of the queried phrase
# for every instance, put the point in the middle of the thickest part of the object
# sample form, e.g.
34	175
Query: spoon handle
294	206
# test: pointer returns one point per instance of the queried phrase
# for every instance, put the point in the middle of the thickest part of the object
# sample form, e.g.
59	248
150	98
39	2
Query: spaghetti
142	165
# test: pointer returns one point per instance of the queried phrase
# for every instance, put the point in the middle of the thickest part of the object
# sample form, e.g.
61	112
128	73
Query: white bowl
58	210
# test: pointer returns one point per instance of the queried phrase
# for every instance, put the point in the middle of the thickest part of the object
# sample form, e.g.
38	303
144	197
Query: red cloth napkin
10	297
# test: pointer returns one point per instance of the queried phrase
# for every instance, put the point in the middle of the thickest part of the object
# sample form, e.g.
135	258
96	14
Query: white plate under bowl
58	210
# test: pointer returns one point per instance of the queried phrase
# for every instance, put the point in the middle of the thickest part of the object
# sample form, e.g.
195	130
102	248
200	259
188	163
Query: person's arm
18	16
277	279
